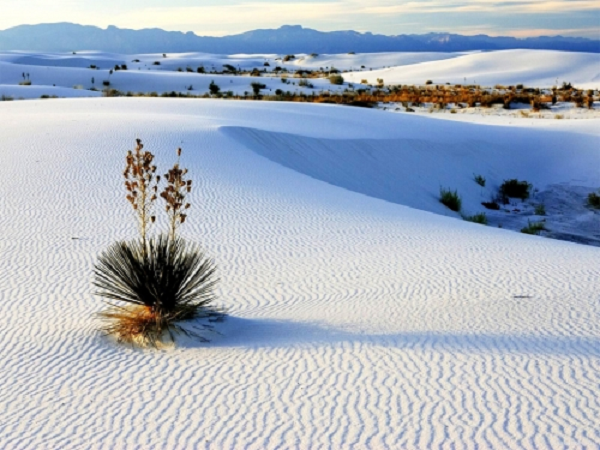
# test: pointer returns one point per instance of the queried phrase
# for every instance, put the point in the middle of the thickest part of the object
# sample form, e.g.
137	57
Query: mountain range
62	37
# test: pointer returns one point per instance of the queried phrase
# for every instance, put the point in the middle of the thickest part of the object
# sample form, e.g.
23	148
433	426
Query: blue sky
519	18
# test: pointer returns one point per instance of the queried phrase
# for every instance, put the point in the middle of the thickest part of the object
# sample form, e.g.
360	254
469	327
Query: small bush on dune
336	79
450	199
534	228
540	209
256	88
491	205
480	218
594	200
214	88
480	180
25	83
515	189
152	284
165	282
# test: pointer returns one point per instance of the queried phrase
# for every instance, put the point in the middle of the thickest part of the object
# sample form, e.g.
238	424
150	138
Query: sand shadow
238	332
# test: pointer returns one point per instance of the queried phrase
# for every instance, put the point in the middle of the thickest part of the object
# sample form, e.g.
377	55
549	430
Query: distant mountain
63	37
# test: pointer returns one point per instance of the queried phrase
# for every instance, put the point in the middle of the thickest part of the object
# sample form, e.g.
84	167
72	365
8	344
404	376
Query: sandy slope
355	322
538	68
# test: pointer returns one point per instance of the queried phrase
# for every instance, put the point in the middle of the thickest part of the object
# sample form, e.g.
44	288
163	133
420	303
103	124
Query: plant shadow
238	332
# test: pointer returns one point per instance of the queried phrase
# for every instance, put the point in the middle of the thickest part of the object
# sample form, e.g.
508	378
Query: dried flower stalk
174	195
142	185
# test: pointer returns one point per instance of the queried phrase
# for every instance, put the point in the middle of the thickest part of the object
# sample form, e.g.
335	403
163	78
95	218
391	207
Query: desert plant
162	283
451	199
491	205
305	83
141	184
540	209
480	218
336	79
515	189
161	280
534	228
213	88
229	68
256	87
174	195
25	83
479	179
594	200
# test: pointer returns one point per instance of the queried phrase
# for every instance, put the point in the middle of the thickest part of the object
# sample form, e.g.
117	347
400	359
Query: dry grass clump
480	218
451	199
154	283
534	228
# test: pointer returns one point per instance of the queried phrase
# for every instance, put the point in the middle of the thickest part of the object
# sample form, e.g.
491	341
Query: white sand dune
355	321
365	61
537	68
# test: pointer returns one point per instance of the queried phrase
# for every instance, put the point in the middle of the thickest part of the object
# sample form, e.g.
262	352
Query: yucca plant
163	283
152	284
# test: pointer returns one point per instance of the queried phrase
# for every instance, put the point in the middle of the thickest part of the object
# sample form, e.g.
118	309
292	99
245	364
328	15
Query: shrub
200	69
256	87
156	63
594	200
162	280
429	82
106	83
540	210
515	189
165	282
25	83
287	58
213	88
479	179
305	83
491	205
450	199
534	228
480	218
336	79
229	68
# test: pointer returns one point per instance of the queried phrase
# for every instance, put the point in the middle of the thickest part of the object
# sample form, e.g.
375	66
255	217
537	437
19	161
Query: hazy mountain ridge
287	39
